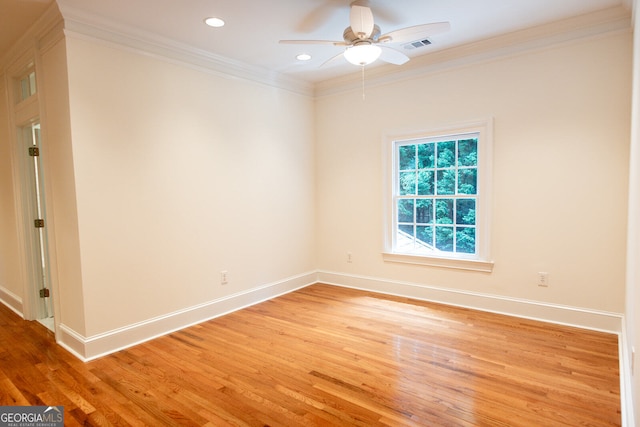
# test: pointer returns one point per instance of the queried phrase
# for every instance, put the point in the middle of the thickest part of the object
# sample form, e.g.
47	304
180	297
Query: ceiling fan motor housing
350	38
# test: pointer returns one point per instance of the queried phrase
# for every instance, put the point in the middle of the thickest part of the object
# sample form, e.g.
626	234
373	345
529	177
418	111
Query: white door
38	258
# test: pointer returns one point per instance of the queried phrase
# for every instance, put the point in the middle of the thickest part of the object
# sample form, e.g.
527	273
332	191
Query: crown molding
79	24
40	35
597	24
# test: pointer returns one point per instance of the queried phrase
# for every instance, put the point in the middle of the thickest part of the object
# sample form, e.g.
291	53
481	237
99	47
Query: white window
439	198
26	85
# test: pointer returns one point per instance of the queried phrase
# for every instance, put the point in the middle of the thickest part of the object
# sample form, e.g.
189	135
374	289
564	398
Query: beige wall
632	311
10	277
181	173
561	135
62	219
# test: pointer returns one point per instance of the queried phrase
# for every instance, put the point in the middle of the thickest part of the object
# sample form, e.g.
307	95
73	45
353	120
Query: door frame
24	113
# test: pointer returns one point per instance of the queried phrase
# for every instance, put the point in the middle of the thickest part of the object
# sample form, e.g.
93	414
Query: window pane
444	238
437	195
424	211
444	211
468	152
425	235
24	88
27	86
426	156
408	229
467	181
407	157
425	183
446	154
466	212
405	210
407	183
32	83
446	181
466	240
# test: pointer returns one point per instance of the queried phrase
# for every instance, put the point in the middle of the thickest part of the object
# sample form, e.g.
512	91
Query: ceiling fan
364	42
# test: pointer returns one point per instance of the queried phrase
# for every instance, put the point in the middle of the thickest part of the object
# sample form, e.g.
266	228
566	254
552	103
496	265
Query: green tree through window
436	194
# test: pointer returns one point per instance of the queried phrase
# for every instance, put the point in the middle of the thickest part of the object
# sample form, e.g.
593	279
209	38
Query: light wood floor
327	356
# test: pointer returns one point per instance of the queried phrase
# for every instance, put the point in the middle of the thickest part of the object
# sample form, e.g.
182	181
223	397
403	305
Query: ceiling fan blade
332	60
392	56
414	33
361	20
331	42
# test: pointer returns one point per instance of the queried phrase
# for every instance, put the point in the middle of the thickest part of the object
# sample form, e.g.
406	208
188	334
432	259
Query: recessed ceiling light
214	22
303	57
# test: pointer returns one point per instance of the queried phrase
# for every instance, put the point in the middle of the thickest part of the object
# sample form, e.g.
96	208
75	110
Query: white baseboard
11	300
553	313
626	377
89	348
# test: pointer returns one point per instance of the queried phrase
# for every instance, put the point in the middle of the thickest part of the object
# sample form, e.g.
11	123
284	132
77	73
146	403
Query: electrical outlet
543	279
224	277
349	257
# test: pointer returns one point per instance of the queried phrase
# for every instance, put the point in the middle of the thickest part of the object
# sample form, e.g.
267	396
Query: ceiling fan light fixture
362	54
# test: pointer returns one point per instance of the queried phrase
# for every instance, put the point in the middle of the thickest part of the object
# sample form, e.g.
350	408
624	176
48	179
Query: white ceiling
254	27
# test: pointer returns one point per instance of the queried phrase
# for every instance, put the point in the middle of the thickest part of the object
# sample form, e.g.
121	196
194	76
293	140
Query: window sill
455	263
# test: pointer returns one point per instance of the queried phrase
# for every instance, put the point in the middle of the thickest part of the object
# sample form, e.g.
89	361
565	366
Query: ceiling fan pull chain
363	82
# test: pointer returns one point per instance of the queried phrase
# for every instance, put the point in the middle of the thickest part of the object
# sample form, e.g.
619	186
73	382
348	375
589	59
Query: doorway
38	259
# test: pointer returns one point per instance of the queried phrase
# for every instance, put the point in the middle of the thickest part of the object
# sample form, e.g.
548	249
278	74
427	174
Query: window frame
26	80
481	261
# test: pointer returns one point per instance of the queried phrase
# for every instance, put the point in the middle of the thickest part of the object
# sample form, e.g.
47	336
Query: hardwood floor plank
327	356
10	395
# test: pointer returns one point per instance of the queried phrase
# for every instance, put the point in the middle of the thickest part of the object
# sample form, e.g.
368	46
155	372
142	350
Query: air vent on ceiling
418	43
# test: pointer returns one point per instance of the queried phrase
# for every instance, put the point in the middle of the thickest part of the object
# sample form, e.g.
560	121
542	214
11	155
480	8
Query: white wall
632	309
62	219
10	278
561	135
181	173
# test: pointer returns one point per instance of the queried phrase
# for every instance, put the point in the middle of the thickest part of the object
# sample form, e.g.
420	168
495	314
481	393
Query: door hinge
34	151
44	293
38	223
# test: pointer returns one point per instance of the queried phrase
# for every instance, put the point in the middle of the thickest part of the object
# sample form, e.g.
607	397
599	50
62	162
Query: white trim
71	341
11	300
456	263
93	347
626	378
43	30
80	25
482	260
536	310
